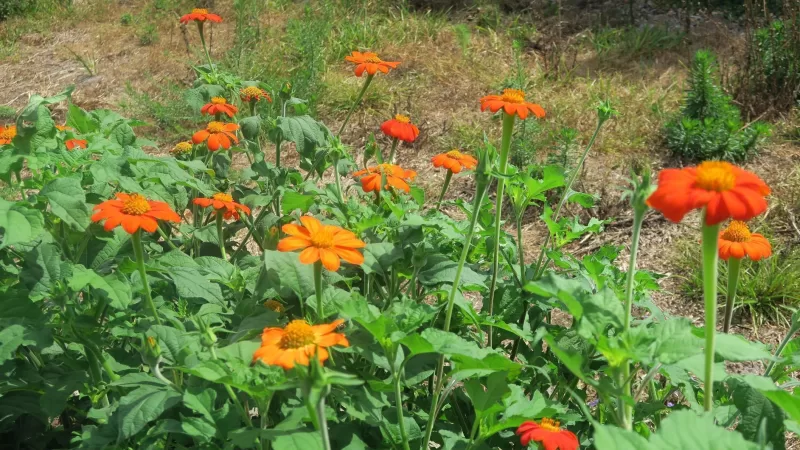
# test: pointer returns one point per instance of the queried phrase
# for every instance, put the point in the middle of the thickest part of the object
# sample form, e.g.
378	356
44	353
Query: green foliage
709	126
147	34
126	19
635	42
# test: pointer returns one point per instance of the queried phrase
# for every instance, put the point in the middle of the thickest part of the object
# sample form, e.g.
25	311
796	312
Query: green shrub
148	34
126	19
10	8
709	125
635	41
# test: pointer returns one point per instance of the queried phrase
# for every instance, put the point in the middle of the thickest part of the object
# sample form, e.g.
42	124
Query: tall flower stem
446	184
136	238
221	235
393	150
789	335
355	103
205	48
625	377
522	276
505	147
318	289
439	378
399	405
734	268
323	424
710	273
567	190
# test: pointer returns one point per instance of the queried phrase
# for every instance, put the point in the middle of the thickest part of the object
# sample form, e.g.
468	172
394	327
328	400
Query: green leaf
757	409
486	396
250	126
736	348
379	257
788	402
141	407
14	335
686	430
190	284
608	437
298	440
304	131
43	269
287	275
114	287
19	223
80	120
439	269
294	200
201	400
123	135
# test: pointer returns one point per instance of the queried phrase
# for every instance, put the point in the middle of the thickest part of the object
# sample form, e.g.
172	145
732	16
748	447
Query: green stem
166	238
734	268
399	405
710	273
221	234
505	147
323	424
232	395
205	49
627	409
393	150
338	184
794	329
278	154
564	196
439	377
446	184
355	104
522	276
318	289
139	254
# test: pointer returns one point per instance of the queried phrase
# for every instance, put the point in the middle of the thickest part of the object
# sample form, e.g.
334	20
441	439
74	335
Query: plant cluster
709	126
160	302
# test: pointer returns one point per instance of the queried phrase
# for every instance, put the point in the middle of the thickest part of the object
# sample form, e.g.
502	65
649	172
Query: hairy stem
355	103
139	254
627	409
734	268
446	185
710	273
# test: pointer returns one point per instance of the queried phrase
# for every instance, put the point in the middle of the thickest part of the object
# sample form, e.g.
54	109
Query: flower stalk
446	185
710	273
734	269
221	234
356	103
138	252
318	289
505	147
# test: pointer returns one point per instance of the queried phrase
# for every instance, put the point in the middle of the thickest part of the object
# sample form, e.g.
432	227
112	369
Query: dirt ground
447	99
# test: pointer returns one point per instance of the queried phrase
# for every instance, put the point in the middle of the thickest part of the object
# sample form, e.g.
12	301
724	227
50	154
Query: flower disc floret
736	241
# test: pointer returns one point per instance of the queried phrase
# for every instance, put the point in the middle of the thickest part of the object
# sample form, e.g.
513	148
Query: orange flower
72	143
396	177
181	148
219	105
326	243
200	15
724	190
400	128
296	343
222	201
454	161
253	93
548	433
370	62
63	128
737	241
133	211
7	134
219	134
512	102
274	305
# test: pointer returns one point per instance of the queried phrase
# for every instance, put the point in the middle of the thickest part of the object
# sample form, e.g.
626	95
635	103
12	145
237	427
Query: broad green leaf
488	394
43	269
201	400
609	437
756	410
19	224
287	275
191	284
379	257
250	126
14	335
788	402
113	287
294	200
172	341
142	406
304	131
686	430
298	440
440	269
80	120
736	348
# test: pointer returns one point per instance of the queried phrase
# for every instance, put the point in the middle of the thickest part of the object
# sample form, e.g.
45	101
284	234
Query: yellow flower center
136	205
513	96
182	147
737	231
8	133
550	425
199	11
323	238
250	92
402	118
223	197
715	176
455	154
274	305
297	334
215	127
373	59
218	100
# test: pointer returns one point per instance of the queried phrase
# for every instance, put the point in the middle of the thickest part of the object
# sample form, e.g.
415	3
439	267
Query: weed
463	37
148	34
7	113
126	19
634	42
89	63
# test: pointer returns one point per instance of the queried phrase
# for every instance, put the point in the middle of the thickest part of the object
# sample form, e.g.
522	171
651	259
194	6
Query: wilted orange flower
253	93
63	127
7	134
396	177
219	105
400	128
454	161
274	305
219	134
724	190
737	241
200	15
326	243
370	62
133	211
512	102
297	343
72	143
222	201
181	148
548	433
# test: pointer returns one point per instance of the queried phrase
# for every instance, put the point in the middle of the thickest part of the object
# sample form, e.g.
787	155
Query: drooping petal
292	243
